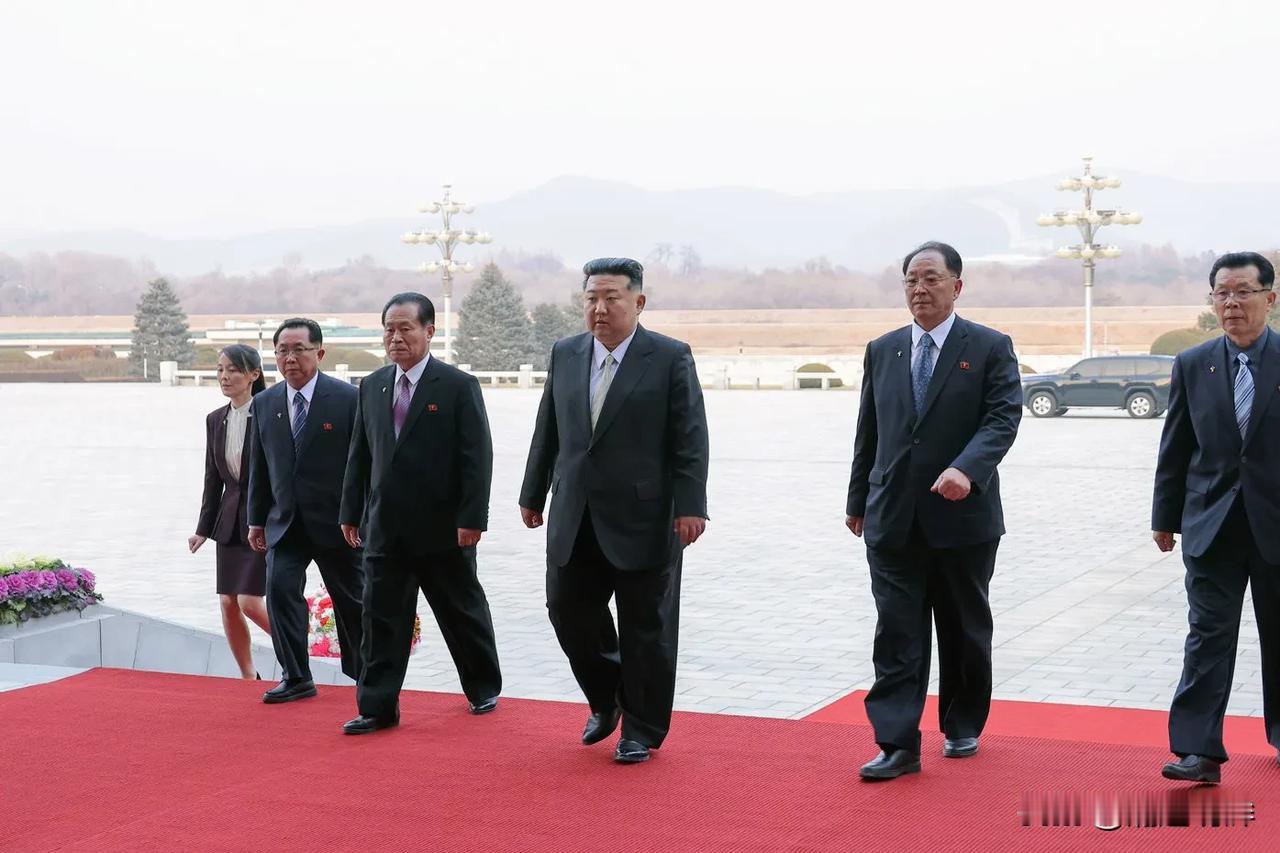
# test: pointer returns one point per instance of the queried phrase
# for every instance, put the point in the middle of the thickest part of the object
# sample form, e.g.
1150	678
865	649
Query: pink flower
67	580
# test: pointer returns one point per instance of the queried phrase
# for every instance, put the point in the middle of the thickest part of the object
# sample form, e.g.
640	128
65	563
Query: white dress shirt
237	424
599	351
938	334
414	373
307	391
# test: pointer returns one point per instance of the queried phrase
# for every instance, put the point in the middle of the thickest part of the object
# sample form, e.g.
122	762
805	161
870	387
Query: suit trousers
1215	584
287	563
914	586
632	667
452	588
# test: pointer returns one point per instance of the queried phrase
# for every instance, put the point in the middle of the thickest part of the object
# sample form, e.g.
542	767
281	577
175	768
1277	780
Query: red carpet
1102	725
119	760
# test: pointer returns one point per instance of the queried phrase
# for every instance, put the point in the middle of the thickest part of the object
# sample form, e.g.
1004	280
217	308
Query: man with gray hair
621	442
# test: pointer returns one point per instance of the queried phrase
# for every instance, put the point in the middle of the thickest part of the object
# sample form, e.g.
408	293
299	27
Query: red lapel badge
432	407
964	365
328	427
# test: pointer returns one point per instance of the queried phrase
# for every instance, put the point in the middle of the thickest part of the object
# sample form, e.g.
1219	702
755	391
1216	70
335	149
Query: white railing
526	377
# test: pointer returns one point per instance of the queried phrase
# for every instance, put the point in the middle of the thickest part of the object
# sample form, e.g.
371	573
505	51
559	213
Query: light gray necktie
602	389
1244	394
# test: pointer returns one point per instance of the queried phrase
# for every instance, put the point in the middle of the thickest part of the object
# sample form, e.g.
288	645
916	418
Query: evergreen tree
495	332
160	331
553	322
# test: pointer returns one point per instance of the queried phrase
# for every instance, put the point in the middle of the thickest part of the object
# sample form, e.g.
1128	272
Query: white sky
187	119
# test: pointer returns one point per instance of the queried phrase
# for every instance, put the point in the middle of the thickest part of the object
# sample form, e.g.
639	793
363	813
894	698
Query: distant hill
576	218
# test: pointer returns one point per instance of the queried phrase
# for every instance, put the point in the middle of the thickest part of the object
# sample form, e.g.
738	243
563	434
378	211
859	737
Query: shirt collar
414	373
242	410
1255	349
619	352
307	391
938	333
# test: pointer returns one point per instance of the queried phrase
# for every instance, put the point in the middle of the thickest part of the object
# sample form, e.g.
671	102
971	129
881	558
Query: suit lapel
220	443
1217	373
899	367
633	367
581	400
418	401
1265	384
283	430
246	451
957	340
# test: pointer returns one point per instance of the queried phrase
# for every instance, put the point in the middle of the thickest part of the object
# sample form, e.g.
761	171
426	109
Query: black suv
1139	384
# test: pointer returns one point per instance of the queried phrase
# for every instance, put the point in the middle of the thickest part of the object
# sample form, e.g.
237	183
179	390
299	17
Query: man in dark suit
302	428
621	441
941	403
1217	478
418	477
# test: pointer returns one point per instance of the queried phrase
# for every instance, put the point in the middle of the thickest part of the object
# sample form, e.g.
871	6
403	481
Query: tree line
80	283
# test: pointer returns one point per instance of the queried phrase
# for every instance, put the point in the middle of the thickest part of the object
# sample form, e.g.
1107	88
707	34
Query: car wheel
1042	404
1141	405
1060	411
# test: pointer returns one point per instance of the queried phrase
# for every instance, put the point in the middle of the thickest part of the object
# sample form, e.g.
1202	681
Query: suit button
915	441
589	452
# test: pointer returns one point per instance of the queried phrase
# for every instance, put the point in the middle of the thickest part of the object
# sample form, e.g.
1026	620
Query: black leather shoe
289	691
891	766
960	747
630	752
484	706
363	724
1193	768
600	726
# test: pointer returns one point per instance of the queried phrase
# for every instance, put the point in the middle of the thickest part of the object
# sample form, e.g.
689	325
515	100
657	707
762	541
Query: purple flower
4	588
46	581
87	580
67	580
18	584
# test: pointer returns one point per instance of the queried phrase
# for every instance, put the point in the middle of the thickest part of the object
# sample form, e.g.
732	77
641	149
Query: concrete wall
107	636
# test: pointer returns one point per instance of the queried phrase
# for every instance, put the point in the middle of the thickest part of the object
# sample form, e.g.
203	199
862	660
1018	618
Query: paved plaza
777	616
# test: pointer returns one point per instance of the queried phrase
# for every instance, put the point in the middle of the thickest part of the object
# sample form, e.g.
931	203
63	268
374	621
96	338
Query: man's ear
640	303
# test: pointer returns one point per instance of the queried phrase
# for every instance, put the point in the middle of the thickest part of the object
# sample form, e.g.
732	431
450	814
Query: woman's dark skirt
241	570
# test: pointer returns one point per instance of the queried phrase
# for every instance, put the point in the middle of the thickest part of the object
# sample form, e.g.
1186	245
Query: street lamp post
1088	221
445	239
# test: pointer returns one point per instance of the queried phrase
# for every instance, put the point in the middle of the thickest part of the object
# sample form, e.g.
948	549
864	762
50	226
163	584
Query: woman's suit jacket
223	512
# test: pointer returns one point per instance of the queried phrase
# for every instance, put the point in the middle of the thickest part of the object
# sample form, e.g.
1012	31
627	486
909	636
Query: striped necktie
1244	394
299	419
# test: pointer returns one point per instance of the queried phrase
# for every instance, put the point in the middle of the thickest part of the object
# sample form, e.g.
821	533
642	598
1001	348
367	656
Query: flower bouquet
40	585
322	628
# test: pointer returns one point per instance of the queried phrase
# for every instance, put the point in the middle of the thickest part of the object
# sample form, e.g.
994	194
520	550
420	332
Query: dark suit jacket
415	492
972	409
645	464
223	506
306	487
1204	464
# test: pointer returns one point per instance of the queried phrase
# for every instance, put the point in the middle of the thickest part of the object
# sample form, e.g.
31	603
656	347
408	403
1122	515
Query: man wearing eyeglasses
1217	478
295	489
941	403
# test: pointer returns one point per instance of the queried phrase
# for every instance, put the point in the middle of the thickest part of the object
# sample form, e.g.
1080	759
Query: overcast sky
187	119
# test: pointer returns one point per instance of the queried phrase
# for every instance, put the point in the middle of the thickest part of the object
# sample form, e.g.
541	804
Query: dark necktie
299	419
922	372
400	411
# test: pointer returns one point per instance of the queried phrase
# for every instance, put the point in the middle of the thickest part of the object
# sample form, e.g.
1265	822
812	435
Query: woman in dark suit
242	572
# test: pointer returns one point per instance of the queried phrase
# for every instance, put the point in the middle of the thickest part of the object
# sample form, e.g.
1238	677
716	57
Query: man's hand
468	537
854	523
258	539
531	518
351	533
1164	541
195	540
690	527
953	484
